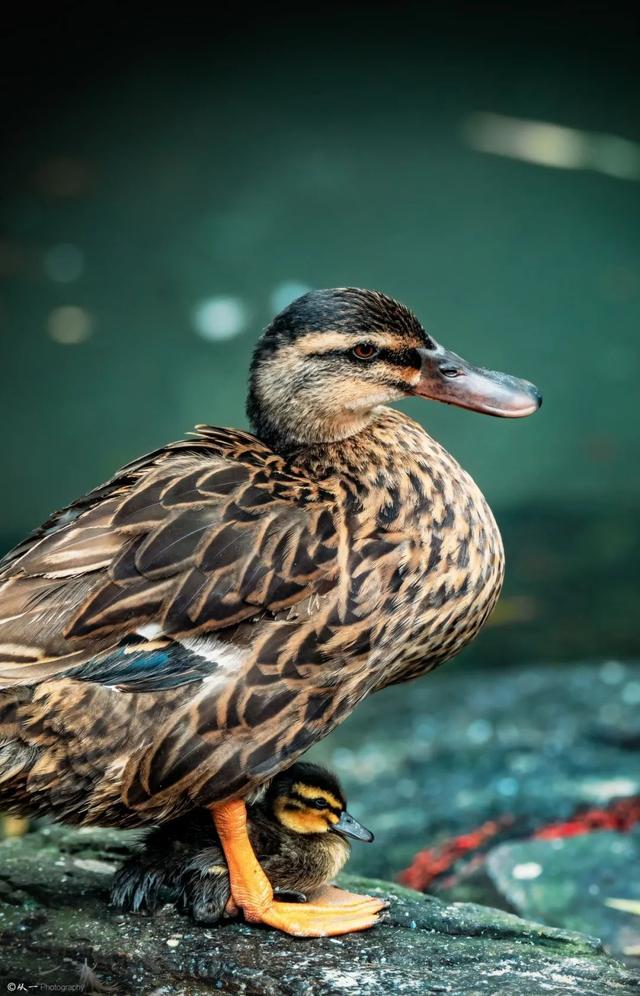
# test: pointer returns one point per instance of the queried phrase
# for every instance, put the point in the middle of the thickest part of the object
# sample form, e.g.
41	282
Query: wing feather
195	537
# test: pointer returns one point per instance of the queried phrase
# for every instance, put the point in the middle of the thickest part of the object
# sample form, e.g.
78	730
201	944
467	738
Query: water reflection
547	144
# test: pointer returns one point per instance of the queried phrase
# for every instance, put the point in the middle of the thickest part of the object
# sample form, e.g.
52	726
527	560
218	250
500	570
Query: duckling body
181	634
183	861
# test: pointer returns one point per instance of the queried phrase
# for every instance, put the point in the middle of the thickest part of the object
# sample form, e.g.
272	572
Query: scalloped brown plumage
188	629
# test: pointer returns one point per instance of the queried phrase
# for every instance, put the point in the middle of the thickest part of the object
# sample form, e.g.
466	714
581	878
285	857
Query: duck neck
291	424
374	463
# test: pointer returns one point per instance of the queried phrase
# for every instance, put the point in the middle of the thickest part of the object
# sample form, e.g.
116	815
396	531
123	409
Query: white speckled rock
576	877
54	918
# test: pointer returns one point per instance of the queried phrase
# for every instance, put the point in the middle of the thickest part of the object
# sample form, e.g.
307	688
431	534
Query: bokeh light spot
69	325
286	292
64	263
218	318
547	144
64	177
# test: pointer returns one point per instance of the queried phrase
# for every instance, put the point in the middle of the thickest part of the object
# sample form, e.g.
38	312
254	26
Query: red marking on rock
620	816
432	863
429	864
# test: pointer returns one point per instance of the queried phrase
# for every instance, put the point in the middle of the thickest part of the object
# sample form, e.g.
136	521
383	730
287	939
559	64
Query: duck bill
446	377
351	828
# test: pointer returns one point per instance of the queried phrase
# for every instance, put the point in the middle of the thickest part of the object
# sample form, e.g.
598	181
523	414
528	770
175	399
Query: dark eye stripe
401	357
297	797
397	357
297	801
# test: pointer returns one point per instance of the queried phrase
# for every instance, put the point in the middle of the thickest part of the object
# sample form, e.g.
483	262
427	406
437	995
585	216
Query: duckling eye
320	804
364	351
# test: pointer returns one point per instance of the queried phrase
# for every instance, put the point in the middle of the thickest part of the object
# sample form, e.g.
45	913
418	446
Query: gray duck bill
446	377
351	828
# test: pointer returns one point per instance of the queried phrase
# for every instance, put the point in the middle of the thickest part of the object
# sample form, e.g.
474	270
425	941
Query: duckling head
326	362
308	799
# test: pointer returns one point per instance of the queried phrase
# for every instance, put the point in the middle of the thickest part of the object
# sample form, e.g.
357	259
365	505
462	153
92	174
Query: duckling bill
299	830
179	636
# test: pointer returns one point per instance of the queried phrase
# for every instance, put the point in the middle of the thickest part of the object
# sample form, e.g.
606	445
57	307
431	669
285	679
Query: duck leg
252	892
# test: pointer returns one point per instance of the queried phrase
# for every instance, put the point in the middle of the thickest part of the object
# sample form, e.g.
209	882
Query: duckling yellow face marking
315	794
307	809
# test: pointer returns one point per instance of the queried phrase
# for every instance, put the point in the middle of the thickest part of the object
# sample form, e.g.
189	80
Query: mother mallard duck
182	633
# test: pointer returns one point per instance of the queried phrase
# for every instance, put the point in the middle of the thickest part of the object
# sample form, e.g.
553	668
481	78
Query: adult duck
184	632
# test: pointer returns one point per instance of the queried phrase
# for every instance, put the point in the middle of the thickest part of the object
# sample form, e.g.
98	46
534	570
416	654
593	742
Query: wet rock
568	882
56	925
428	761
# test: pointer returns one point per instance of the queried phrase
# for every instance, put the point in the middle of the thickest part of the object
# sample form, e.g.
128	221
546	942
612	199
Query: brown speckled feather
346	569
184	632
194	538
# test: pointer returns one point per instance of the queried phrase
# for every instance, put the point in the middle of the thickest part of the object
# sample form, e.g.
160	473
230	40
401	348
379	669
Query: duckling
180	635
298	830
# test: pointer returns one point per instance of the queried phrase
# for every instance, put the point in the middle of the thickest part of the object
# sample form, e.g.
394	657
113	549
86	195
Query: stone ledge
54	918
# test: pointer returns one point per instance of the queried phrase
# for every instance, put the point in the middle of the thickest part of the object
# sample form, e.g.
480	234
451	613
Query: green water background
318	149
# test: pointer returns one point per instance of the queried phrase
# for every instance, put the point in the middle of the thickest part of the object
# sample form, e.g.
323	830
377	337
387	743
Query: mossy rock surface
55	920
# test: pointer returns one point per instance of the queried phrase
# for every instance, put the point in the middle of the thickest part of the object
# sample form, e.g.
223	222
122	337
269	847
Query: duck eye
320	804
365	351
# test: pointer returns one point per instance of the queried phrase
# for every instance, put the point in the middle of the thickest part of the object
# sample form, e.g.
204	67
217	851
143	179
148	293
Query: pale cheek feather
370	398
340	857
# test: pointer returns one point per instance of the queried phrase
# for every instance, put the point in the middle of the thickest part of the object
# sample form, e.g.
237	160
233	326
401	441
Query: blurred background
166	188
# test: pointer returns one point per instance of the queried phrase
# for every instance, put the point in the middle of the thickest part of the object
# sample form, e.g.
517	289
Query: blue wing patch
141	665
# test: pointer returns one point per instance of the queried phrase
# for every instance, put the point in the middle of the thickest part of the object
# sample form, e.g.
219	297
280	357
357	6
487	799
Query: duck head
326	362
308	799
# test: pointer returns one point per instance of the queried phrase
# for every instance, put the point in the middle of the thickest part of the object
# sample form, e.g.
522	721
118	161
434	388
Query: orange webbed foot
312	920
332	911
331	895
